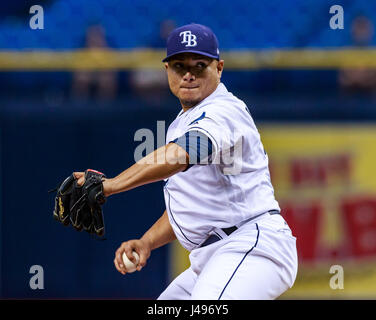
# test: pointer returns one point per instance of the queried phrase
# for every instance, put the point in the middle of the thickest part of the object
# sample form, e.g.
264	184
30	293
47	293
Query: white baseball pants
258	261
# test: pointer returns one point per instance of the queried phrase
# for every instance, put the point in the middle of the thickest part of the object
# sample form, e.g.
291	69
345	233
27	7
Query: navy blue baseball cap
195	38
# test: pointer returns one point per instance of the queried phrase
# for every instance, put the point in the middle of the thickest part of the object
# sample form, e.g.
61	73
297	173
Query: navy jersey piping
172	215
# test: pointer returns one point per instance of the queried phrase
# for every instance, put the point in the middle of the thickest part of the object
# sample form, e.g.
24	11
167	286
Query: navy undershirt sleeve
198	146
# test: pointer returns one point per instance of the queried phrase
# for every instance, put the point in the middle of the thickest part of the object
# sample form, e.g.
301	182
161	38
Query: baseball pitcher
220	202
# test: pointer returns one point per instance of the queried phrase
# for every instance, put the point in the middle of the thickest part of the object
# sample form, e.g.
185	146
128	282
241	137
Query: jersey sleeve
218	127
198	146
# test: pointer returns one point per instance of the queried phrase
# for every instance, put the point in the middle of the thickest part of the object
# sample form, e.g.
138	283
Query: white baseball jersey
235	187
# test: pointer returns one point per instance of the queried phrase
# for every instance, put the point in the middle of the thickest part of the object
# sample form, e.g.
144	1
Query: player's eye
178	65
201	65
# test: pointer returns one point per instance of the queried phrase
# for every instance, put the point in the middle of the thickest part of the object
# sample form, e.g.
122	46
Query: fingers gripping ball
128	264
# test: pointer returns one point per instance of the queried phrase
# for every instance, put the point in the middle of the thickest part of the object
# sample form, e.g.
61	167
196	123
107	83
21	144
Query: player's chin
189	97
190	102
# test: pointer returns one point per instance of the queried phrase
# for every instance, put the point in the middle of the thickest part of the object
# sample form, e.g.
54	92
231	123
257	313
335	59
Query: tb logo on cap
188	38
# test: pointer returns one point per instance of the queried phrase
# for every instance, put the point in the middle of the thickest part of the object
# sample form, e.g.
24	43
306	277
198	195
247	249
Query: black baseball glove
81	206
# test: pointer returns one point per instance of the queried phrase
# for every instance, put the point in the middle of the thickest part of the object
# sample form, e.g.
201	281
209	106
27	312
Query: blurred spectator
359	79
152	85
101	85
165	27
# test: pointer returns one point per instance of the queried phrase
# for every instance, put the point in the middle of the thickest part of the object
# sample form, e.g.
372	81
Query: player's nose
188	76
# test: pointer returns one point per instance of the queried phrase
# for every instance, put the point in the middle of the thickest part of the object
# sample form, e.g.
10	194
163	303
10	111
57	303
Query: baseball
129	265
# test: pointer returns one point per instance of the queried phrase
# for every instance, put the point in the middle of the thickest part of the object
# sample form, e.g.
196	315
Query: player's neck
186	108
188	105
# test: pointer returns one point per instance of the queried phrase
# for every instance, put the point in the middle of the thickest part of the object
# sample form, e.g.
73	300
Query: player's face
192	77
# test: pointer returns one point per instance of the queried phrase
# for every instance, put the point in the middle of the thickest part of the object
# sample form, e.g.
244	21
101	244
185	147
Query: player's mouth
189	87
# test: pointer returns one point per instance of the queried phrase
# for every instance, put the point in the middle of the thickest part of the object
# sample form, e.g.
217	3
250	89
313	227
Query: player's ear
220	65
166	65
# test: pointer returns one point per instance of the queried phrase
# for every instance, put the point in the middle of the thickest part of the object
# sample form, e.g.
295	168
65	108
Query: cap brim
191	51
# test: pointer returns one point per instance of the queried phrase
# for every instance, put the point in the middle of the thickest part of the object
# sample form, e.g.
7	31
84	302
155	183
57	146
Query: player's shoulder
223	105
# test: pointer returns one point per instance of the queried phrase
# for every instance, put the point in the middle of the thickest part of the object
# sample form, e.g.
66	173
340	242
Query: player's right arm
158	235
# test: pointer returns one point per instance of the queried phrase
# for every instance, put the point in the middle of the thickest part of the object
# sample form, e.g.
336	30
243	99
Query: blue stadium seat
128	24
